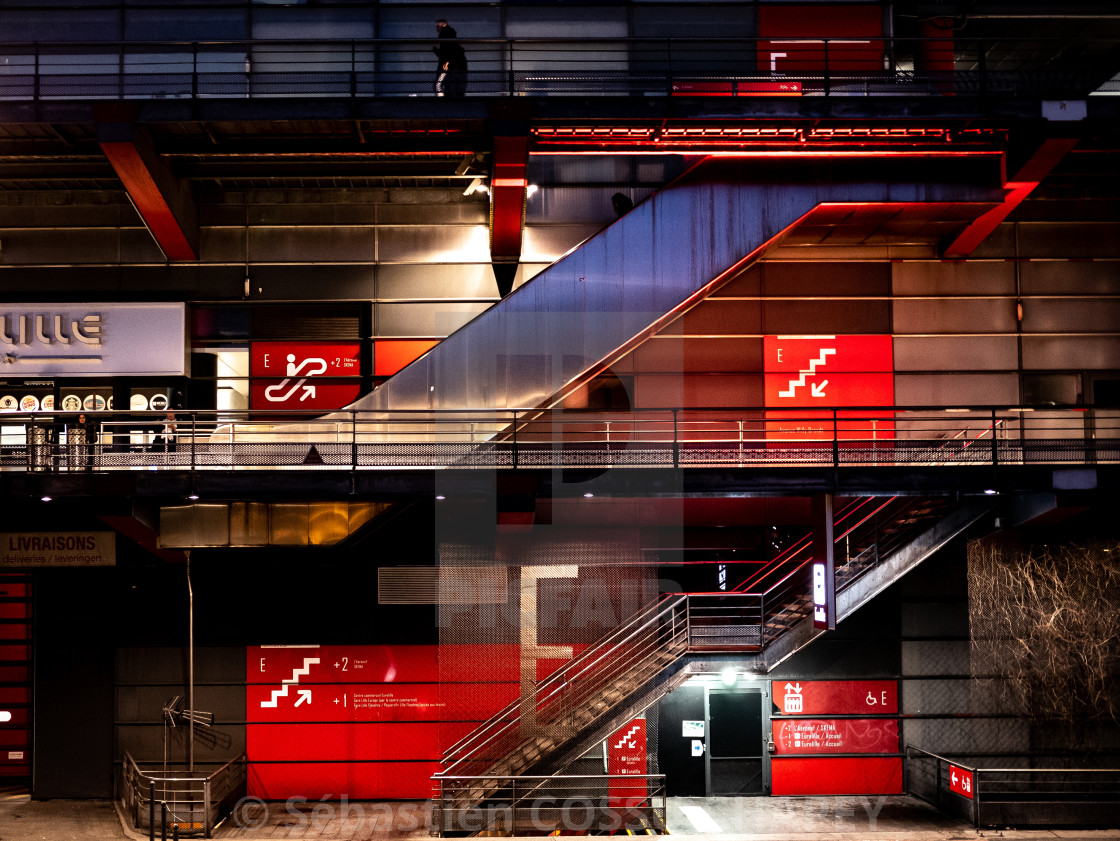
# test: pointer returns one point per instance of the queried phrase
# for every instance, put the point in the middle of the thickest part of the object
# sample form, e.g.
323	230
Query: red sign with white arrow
828	371
960	781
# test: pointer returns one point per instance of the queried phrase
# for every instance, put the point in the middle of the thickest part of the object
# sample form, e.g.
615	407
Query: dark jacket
450	51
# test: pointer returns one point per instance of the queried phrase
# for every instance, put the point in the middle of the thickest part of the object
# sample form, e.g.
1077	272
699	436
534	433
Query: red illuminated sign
836	775
803	372
960	781
836	735
366	721
626	755
835	697
831	371
293	375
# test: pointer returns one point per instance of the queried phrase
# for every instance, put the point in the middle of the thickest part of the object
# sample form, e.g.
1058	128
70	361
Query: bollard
163	822
175	832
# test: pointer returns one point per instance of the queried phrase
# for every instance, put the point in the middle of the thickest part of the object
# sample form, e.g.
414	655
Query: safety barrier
1019	797
553	805
958	65
178	801
746	438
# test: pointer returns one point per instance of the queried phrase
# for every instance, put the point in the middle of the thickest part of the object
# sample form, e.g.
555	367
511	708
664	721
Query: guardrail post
152	811
163	821
995	448
676	441
515	440
353	70
511	76
835	439
976	798
194	438
826	75
206	824
194	70
353	441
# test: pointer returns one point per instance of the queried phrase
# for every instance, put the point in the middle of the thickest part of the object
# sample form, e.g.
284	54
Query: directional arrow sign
960	781
817	389
304	697
308	391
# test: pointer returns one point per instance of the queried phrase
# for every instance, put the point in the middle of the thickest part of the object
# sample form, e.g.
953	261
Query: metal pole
207	828
163	821
515	440
190	665
676	442
152	811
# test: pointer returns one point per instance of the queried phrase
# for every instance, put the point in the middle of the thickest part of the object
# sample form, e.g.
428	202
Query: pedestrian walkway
863	818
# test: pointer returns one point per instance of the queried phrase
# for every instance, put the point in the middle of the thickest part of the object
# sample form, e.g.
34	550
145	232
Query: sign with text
304	375
835	697
960	781
828	372
626	756
820	597
836	735
366	721
58	549
93	340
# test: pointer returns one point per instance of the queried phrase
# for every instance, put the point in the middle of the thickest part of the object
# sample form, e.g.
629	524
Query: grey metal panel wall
586	308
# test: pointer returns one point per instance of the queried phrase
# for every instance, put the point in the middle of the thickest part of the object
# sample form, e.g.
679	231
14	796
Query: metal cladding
589	307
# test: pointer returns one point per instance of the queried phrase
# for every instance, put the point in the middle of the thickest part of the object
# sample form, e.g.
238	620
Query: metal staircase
766	620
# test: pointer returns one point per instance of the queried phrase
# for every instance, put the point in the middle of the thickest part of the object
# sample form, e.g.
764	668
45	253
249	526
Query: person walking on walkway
451	72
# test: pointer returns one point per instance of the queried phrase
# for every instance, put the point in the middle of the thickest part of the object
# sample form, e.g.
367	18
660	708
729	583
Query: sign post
824	565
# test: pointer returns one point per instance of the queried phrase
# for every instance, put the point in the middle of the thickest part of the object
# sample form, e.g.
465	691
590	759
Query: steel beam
164	202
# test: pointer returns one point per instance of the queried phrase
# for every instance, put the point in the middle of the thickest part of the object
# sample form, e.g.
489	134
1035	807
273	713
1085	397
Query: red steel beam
1044	159
163	201
508	186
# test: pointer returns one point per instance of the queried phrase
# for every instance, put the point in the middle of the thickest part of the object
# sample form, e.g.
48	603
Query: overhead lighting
192	496
588	495
532	188
990	491
45	498
476	183
440	497
728	677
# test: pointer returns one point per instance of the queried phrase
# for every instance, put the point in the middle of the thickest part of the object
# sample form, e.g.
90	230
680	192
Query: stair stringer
875	581
848	601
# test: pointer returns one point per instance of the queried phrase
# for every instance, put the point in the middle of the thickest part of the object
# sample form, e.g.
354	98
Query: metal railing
552	805
952	66
988	797
183	802
748	437
583	693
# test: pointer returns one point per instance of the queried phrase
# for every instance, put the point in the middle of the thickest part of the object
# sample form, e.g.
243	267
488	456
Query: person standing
451	71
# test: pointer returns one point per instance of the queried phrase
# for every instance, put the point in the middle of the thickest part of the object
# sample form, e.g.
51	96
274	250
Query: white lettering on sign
15	754
23	330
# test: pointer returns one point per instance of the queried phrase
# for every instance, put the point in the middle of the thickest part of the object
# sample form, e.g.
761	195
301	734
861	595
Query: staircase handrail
578	665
